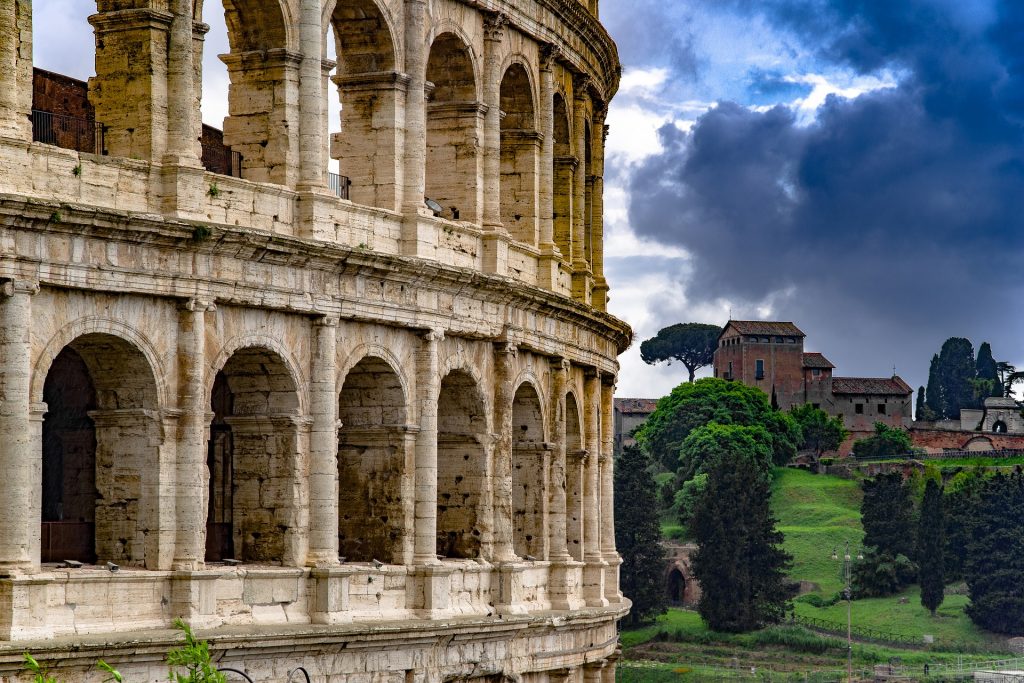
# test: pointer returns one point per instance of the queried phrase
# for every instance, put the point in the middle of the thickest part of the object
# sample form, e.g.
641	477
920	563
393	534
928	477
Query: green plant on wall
194	657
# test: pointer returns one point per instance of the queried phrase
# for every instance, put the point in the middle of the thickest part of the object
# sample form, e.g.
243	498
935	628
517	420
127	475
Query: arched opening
371	91
253	460
260	130
563	167
455	120
62	113
999	427
99	443
520	155
676	587
530	456
462	443
574	457
374	453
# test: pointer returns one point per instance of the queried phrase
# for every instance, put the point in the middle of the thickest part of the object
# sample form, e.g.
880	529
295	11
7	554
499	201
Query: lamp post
848	594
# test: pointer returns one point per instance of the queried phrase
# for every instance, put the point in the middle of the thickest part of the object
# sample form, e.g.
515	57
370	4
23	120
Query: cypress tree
739	562
919	406
931	547
987	369
887	516
933	394
956	372
994	567
638	535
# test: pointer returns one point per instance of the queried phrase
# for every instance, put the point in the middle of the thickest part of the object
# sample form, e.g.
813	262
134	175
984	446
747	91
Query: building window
859	408
780	340
881	409
816	405
816	372
728	375
759	369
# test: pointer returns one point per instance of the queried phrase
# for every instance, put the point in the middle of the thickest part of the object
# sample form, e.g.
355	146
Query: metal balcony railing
222	160
68	132
339	184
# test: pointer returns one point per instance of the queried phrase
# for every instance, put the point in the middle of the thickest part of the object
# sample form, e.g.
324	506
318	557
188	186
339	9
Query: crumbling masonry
394	418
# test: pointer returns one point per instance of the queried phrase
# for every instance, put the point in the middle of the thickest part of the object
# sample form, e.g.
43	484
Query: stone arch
675	586
575	456
530	466
520	153
564	165
463	452
254	458
263	73
371	89
272	344
999	427
100	451
455	119
979	443
375	456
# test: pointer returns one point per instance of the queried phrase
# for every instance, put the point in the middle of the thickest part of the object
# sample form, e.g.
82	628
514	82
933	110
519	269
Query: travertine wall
396	422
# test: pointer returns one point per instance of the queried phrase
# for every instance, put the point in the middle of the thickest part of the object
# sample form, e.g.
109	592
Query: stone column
504	394
494	32
428	387
312	172
593	572
557	522
592	672
415	151
550	254
608	552
600	297
20	454
323	447
182	114
581	275
191	472
15	68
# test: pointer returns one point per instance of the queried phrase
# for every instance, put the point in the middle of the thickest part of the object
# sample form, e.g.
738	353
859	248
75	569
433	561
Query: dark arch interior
676	587
461	466
529	473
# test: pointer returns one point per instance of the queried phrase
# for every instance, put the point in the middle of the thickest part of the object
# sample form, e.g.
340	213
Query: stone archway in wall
462	453
375	451
253	460
100	450
675	587
520	155
455	120
530	460
574	460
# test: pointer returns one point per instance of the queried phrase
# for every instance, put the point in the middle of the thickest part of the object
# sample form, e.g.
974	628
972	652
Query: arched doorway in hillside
676	587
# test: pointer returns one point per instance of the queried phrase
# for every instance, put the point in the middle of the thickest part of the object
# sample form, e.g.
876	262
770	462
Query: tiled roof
816	360
889	386
644	406
766	327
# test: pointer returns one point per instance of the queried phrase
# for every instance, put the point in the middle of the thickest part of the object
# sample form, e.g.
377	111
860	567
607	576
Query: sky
854	166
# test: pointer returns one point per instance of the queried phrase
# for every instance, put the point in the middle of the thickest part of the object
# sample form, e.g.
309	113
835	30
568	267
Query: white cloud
642	81
848	86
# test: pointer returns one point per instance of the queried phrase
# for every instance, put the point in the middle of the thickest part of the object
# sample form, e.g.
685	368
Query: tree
692	344
986	370
887	516
931	547
708	444
950	380
885	441
994	567
962	493
638	535
921	410
693	405
739	560
820	432
933	394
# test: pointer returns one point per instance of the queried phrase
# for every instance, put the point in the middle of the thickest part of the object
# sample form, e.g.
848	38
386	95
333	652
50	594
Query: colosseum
357	422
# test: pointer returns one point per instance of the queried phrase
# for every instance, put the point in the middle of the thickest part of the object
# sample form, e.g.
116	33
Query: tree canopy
739	561
887	514
692	344
931	547
885	441
693	405
820	432
957	379
638	535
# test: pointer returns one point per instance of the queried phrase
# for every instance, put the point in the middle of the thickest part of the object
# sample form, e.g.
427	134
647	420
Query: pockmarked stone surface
357	422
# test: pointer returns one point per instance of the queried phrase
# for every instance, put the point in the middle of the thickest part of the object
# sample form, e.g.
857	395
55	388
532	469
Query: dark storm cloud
902	209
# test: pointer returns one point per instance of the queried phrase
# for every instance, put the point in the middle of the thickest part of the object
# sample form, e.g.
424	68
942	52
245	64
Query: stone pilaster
20	459
191	472
556	521
608	552
593	572
15	68
581	273
494	33
504	394
594	672
323	446
182	114
600	296
311	101
428	387
550	255
413	179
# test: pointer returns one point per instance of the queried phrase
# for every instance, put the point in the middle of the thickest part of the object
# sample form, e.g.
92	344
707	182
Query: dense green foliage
194	657
820	432
962	494
693	405
884	442
931	547
994	567
692	344
986	373
739	561
708	444
957	379
887	514
638	535
933	393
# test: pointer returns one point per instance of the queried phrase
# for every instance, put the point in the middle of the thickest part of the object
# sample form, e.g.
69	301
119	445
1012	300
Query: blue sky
855	166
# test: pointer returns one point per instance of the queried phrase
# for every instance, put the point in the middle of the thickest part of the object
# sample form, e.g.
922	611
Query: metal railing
293	675
946	455
339	184
68	132
223	160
